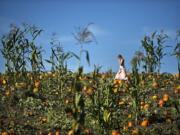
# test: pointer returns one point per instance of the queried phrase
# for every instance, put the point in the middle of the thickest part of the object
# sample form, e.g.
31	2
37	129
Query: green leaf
52	62
87	56
73	54
38	33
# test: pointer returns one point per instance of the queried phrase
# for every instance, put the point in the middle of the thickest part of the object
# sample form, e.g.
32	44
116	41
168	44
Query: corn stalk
154	50
177	52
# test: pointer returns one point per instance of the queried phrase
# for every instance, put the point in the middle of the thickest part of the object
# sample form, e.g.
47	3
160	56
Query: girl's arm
120	70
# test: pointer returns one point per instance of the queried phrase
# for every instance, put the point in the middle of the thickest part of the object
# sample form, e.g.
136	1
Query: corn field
35	101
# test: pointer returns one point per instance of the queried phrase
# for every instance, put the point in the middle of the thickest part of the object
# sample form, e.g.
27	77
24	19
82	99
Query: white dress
121	74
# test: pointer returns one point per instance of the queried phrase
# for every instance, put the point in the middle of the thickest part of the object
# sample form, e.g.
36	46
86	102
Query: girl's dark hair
121	57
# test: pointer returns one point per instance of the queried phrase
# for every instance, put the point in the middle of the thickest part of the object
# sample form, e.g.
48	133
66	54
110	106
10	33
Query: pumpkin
7	93
144	123
85	88
135	132
165	97
57	133
114	132
121	103
35	90
176	91
4	81
115	90
67	101
70	132
90	90
154	97
87	132
37	84
146	106
155	84
5	133
130	124
161	102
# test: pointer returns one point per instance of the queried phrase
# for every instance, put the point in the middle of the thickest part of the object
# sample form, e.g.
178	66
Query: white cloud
66	38
171	33
98	31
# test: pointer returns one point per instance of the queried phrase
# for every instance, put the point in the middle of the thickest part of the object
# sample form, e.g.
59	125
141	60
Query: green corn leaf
87	56
77	99
74	55
52	62
37	33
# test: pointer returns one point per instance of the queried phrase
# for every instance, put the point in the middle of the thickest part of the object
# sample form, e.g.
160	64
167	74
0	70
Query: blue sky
119	26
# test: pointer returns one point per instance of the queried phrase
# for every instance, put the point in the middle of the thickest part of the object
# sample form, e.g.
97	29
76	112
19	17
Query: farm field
95	105
61	102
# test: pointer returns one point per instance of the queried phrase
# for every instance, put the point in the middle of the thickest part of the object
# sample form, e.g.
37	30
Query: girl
121	74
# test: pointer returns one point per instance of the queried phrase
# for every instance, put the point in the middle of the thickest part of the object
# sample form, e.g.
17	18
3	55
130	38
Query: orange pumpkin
176	91
23	84
53	75
114	132
129	116
115	81
37	84
90	90
130	124
87	132
154	97
144	123
120	81
5	133
103	75
41	76
165	97
85	88
135	132
67	101
35	90
155	84
7	93
70	132
69	114
57	133
44	120
141	102
121	103
4	81
161	102
115	90
141	107
146	106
